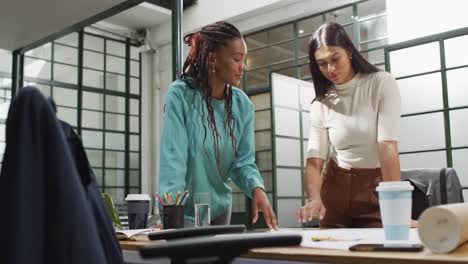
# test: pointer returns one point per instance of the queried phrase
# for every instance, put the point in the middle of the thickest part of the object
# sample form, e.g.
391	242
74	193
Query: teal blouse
187	163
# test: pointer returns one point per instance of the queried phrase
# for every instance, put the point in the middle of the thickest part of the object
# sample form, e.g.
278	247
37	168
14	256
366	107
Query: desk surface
339	256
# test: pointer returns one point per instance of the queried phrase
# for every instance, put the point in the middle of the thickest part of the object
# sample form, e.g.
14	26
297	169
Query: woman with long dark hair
208	131
355	115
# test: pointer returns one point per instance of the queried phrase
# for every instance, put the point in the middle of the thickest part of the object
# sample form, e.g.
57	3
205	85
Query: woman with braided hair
208	132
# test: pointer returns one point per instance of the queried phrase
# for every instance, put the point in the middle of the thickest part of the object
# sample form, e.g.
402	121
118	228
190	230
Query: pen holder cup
173	216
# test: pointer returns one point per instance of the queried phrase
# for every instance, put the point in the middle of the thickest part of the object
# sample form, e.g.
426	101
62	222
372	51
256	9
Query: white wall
417	18
247	15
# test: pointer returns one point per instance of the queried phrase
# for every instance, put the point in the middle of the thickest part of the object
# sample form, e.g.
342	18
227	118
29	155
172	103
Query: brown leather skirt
349	197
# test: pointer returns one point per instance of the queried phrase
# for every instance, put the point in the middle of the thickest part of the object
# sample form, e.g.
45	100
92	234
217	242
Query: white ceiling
145	15
23	22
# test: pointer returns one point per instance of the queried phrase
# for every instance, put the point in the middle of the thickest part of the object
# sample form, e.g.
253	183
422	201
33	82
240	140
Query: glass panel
238	202
95	157
45	89
134	178
135	68
426	88
6	60
257	79
115	104
37	68
307	94
134	107
371	8
287	209
285	69
305	70
65	73
455	51
303	45
134	53
99	177
134	142
262	120
373	28
115	82
256	40
288	152
287	122
114	64
257	58
264	160
457	87
65	54
115	122
374	44
305	125
309	25
68	115
92	100
436	159
115	141
375	56
289	182
135	190
93	78
117	194
285	92
460	165
268	181
282	52
92	139
93	43
261	101
305	144
70	39
340	16
115	177
422	132
134	86
281	33
115	159
92	119
262	140
458	127
115	48
93	60
42	52
134	124
65	96
418	59
134	161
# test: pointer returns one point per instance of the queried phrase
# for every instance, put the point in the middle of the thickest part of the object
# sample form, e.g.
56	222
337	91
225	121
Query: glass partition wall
95	82
431	74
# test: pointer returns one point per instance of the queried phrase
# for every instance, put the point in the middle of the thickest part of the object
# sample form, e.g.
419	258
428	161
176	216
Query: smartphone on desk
387	247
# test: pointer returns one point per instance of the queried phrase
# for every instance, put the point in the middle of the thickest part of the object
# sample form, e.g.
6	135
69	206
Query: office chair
48	212
433	187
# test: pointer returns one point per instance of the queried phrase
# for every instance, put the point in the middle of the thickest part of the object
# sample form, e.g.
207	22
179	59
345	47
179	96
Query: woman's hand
312	209
260	204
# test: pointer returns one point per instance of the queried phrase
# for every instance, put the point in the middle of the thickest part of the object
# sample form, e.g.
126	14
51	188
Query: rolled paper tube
443	228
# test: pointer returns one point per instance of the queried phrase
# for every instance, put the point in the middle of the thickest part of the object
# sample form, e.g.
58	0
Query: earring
214	69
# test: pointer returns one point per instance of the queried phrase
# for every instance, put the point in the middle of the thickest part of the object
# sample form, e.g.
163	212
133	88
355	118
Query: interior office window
106	106
5	95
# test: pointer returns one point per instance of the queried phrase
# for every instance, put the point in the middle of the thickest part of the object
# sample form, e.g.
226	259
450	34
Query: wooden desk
339	256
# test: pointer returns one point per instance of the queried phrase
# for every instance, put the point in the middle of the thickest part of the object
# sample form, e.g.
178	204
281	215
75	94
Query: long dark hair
333	34
210	38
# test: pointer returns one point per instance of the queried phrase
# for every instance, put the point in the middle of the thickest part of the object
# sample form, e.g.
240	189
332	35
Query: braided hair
211	38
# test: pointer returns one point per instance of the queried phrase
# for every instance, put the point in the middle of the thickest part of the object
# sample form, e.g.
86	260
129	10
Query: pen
160	199
177	198
183	197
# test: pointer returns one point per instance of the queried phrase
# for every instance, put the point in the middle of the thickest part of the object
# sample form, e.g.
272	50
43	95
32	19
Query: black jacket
47	215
